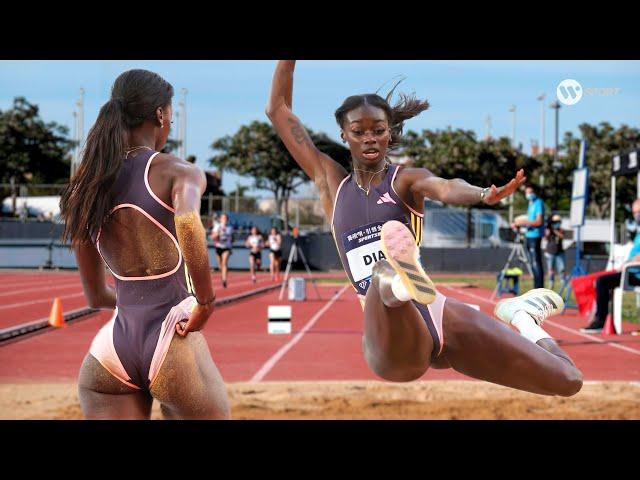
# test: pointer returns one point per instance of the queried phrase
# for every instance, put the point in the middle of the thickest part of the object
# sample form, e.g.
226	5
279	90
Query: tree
31	150
171	145
458	154
256	150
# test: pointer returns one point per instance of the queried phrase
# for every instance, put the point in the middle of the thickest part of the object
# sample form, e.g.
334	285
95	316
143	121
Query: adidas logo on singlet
386	198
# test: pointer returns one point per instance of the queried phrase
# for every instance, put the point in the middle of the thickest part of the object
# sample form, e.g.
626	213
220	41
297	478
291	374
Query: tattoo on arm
298	131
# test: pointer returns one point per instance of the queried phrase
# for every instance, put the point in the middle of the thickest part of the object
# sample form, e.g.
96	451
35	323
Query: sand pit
362	400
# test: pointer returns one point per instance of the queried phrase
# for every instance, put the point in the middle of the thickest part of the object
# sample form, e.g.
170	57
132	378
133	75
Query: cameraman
554	252
535	231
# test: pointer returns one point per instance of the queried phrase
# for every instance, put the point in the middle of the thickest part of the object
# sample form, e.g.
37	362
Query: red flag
584	289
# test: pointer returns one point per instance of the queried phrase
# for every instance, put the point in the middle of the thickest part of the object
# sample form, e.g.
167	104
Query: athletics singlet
356	225
358	219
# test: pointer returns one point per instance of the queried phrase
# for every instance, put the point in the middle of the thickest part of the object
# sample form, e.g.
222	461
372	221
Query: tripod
520	255
293	257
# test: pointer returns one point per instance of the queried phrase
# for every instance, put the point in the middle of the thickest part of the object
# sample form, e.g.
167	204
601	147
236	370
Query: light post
542	136
513	126
556	163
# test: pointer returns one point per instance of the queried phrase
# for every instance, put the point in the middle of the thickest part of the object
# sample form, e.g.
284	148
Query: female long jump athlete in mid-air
138	211
377	214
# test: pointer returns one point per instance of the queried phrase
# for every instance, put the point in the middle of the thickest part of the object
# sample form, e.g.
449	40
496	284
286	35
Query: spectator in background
222	236
606	283
535	232
554	252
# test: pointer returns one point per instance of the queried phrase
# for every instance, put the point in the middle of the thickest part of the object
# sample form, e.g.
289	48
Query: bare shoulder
180	169
411	173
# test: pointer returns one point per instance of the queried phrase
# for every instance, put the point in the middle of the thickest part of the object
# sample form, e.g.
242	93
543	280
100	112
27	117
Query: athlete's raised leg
397	344
104	397
481	347
189	385
476	344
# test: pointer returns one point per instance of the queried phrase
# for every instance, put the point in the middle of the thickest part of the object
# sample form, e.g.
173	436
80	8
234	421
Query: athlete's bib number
362	247
362	259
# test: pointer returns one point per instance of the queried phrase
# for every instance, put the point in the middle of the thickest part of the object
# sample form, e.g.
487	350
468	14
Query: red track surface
325	343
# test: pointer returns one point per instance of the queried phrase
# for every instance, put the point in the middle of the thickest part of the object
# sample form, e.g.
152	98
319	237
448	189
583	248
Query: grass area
629	311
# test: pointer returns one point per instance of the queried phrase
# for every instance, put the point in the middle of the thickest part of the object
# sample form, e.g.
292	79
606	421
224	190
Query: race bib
363	249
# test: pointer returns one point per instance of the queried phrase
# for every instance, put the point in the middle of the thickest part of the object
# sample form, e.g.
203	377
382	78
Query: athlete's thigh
482	347
189	382
225	256
402	328
103	396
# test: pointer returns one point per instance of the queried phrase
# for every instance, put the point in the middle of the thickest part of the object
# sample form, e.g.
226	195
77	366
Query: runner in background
222	236
255	244
275	253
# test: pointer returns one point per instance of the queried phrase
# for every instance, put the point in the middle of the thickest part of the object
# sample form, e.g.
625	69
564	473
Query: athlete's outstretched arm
188	187
325	172
94	284
421	182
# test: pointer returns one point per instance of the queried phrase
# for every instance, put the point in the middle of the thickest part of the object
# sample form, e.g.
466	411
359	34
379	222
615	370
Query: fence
450	226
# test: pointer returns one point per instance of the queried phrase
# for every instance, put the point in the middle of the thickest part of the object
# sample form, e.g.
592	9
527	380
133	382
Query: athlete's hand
197	320
496	194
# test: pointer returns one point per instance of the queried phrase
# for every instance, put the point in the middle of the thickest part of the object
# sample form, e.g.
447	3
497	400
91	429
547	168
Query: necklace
129	150
366	191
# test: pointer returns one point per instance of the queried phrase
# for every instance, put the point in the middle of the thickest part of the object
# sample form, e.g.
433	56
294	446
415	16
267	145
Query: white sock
398	289
528	327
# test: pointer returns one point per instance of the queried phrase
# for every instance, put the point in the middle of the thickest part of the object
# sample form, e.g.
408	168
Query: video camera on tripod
518	255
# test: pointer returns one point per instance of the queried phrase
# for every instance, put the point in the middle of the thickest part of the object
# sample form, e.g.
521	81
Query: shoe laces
545	309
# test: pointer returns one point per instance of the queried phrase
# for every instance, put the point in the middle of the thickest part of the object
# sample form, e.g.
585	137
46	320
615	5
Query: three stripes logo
544	308
569	91
418	282
386	198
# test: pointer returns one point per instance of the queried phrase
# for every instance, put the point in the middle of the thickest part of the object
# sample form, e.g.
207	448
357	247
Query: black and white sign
625	164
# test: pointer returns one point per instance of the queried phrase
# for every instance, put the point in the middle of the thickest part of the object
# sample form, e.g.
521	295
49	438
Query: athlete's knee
393	371
571	382
399	373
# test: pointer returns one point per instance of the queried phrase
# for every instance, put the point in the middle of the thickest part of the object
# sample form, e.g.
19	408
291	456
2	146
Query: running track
325	343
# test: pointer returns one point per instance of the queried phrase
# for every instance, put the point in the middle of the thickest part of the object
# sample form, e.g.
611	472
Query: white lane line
35	302
38	283
557	325
269	364
43	288
50	299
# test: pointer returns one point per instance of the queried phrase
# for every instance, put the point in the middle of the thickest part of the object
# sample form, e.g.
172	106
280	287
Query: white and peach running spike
403	254
540	303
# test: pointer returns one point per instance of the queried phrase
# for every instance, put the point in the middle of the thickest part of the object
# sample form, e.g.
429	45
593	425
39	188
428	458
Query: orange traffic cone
608	326
55	318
